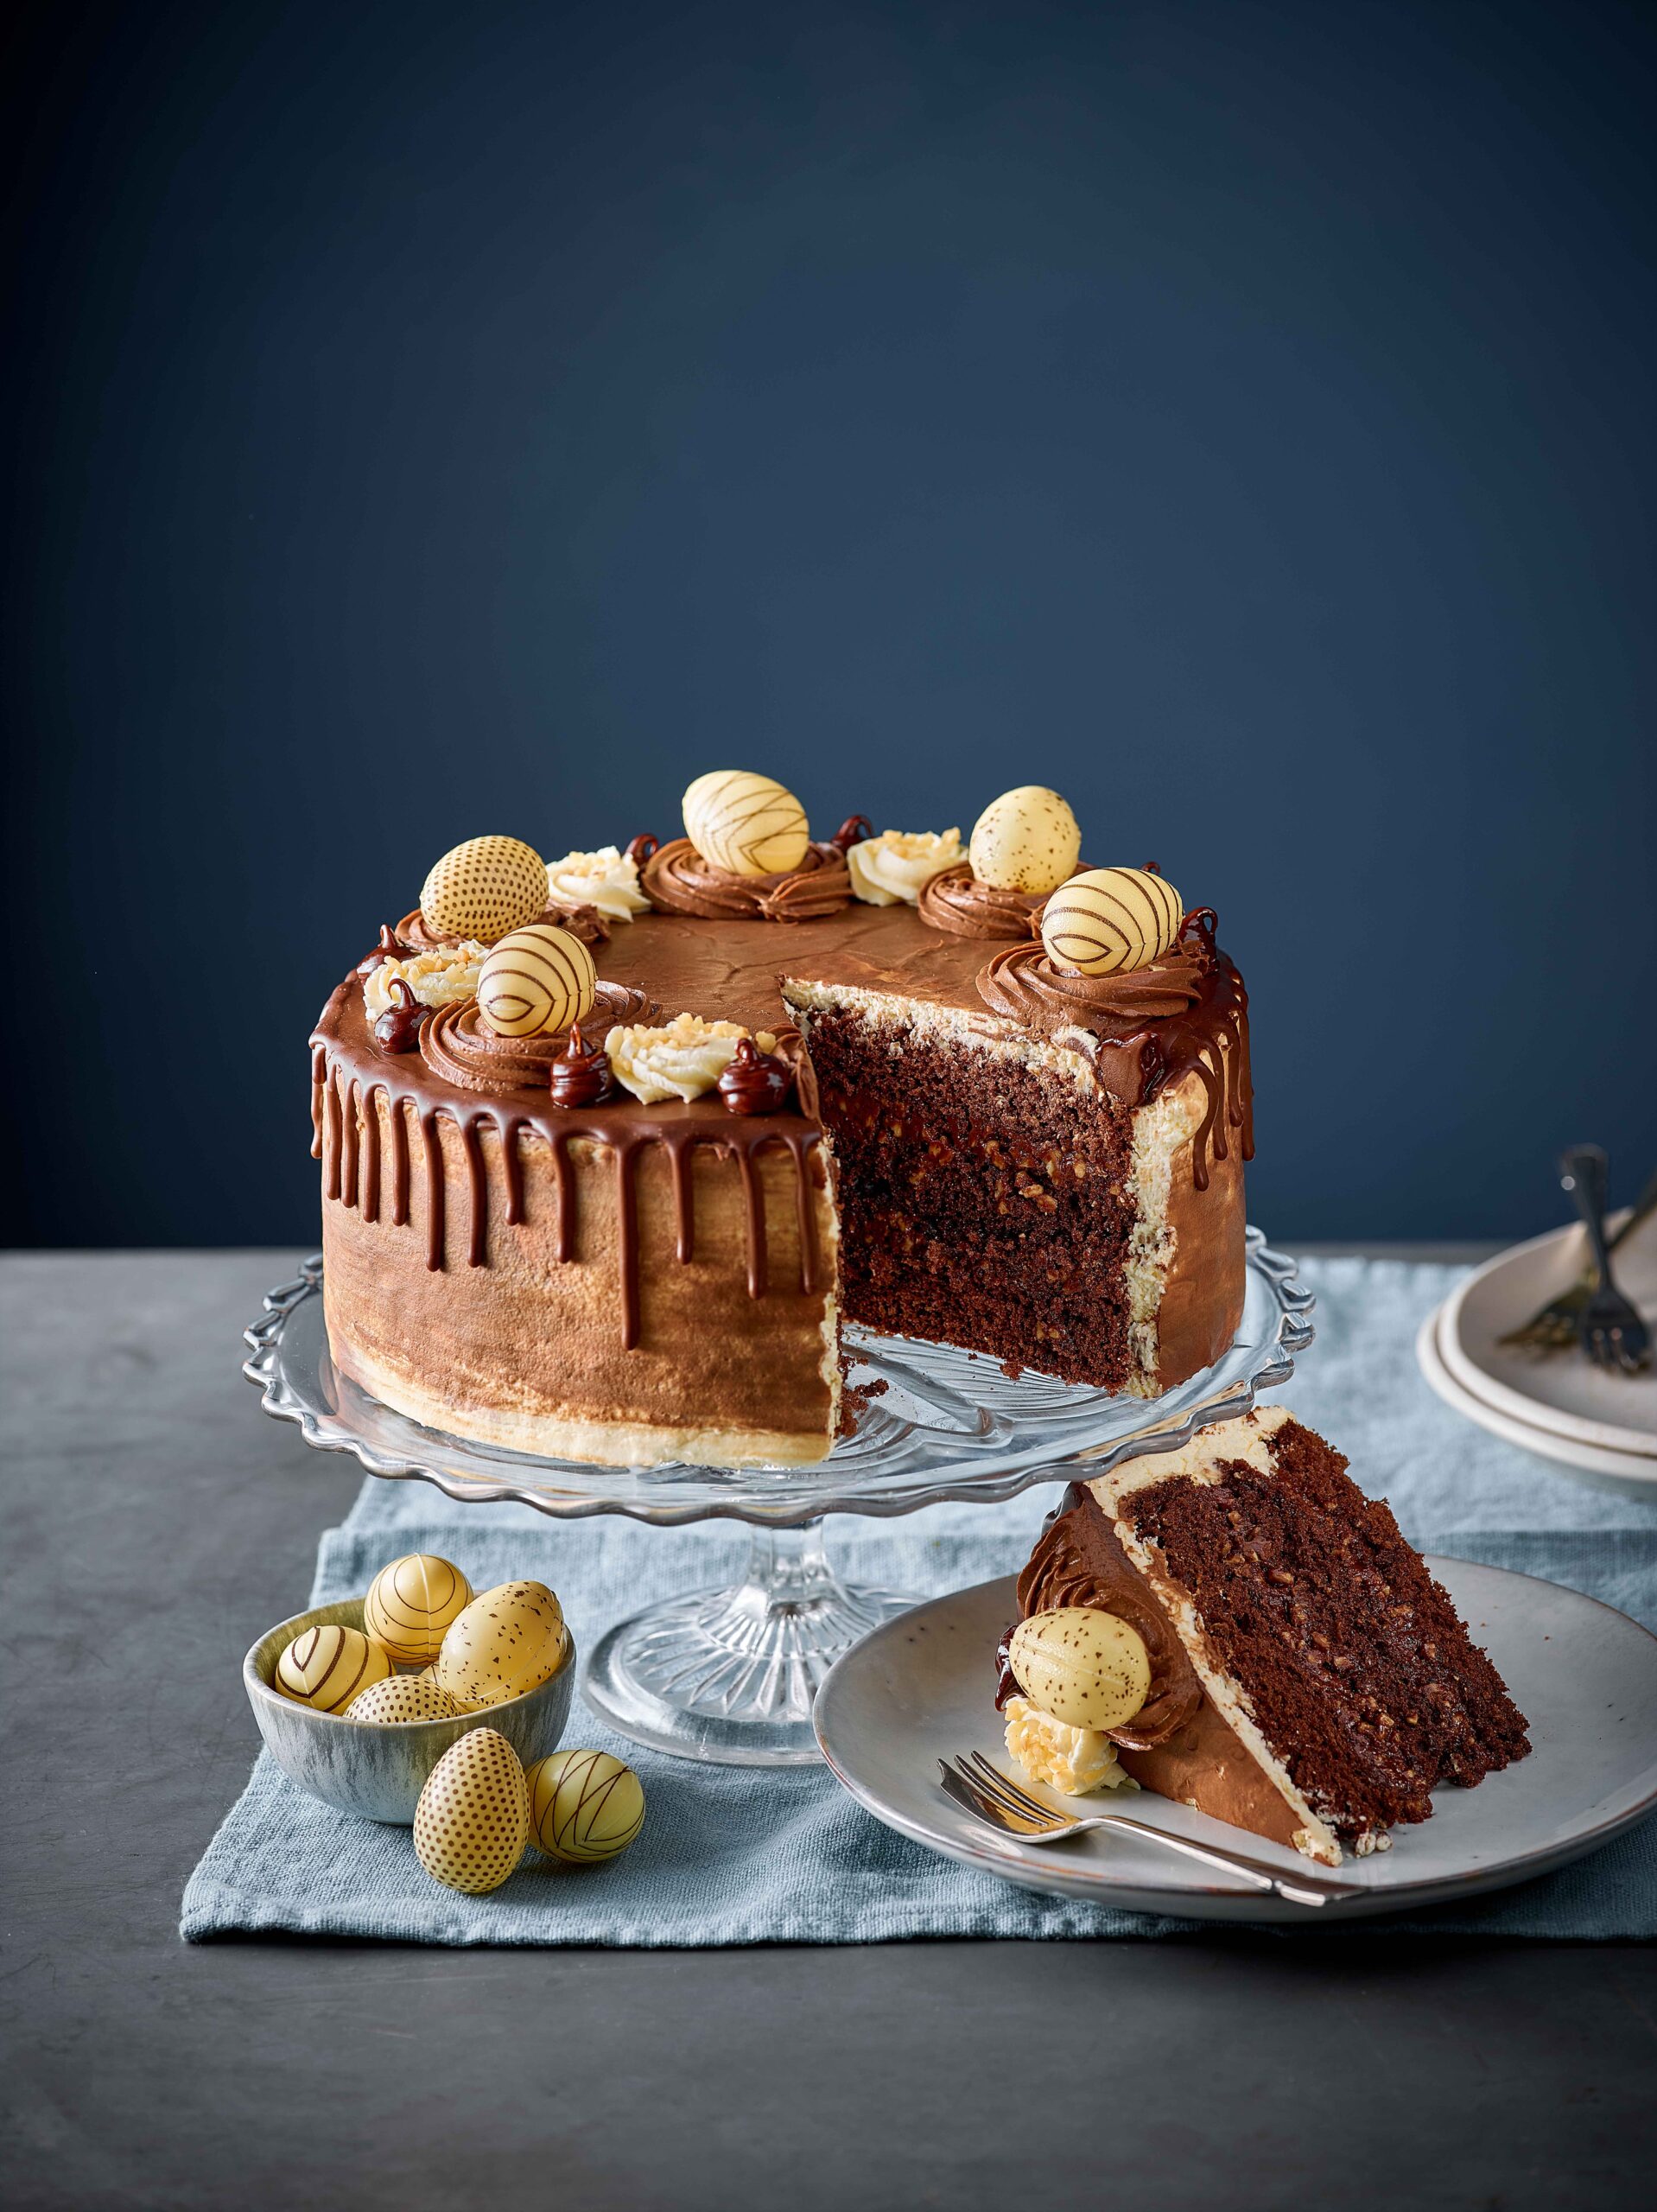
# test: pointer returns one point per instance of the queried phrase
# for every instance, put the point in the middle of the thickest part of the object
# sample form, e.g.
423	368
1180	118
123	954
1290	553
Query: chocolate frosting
1023	983
458	1046
955	901
583	922
678	881
1078	1561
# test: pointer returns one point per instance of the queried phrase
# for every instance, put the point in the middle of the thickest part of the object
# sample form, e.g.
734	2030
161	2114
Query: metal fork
1553	1326
983	1790
1611	1332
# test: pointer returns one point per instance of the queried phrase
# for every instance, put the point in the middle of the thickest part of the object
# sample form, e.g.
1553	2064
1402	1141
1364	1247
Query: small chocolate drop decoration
390	947
851	831
755	1082
640	848
581	1075
397	1029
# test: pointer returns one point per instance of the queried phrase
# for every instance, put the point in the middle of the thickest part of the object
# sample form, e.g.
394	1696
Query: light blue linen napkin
735	1855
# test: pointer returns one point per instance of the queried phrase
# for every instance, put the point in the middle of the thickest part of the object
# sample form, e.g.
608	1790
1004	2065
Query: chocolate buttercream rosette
1022	983
583	922
677	879
458	1046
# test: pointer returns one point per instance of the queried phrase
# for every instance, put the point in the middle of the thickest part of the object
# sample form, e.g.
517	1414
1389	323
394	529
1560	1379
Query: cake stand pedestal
729	1674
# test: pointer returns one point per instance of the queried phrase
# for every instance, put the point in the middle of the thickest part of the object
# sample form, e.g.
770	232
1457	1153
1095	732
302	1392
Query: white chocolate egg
484	888
401	1698
540	978
506	1642
472	1820
409	1605
1027	840
326	1668
1110	920
1090	1670
747	823
584	1806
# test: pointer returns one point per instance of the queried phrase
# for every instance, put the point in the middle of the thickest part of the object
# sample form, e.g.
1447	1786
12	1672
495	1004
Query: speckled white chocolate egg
747	824
1110	920
484	888
584	1806
506	1642
402	1698
1090	1670
1027	840
326	1668
472	1820
411	1604
541	978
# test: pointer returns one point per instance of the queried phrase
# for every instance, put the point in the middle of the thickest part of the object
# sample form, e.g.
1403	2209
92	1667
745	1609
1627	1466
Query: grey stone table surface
154	1522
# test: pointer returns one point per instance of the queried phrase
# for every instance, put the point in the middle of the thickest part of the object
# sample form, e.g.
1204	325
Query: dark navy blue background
437	419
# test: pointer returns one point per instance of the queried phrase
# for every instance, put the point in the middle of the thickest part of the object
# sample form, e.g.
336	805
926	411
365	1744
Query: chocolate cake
851	1084
1308	1679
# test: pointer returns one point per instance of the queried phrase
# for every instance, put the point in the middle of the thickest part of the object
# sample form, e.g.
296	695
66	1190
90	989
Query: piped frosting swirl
1023	983
584	922
957	903
458	1046
678	881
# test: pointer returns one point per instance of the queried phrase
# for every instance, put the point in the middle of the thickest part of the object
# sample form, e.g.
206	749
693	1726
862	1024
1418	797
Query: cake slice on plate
1289	1665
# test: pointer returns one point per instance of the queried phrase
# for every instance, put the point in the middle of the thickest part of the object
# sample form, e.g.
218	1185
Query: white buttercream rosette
898	864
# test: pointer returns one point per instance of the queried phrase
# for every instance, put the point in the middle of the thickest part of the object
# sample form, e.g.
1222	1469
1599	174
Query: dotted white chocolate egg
505	1642
326	1668
402	1698
748	824
472	1820
1027	840
536	980
1089	1669
1110	920
484	888
411	1604
584	1806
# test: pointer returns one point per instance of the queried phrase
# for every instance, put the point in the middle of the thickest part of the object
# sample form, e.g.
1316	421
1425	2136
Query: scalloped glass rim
949	1425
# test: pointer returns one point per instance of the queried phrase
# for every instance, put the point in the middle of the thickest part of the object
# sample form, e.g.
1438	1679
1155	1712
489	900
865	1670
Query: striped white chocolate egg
484	888
1027	840
746	823
1110	920
472	1820
505	1642
584	1806
401	1698
538	979
326	1668
411	1604
1089	1669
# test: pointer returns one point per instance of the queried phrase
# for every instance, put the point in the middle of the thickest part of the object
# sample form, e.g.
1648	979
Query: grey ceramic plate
1586	1677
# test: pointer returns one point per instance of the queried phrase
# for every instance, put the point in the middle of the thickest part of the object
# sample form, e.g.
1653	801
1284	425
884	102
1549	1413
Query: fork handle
1582	1172
1229	1863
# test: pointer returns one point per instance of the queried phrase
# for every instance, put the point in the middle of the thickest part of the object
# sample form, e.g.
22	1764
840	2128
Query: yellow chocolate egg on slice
402	1698
326	1668
484	888
1027	840
472	1820
505	1642
1110	920
411	1604
1090	1670
584	1806
747	823
538	979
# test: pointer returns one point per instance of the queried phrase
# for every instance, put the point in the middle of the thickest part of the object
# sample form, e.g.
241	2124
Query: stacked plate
1600	1429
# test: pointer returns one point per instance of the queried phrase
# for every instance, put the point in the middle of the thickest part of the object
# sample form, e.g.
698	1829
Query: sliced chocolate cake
1306	1677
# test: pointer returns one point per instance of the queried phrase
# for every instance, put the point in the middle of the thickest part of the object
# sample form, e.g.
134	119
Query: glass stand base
728	1675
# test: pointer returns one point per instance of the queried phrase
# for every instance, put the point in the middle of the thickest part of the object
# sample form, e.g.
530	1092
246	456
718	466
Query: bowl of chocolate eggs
358	1701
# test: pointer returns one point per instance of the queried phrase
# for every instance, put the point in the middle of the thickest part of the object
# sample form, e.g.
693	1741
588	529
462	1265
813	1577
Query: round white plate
1561	1391
1627	1474
921	1688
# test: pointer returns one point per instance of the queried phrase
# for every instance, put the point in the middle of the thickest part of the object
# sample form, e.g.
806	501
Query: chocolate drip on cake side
345	1112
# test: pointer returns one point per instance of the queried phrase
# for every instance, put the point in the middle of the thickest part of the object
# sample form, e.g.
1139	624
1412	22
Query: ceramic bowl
378	1772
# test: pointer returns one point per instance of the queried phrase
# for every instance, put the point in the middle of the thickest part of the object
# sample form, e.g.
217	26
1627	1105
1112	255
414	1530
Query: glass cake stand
729	1674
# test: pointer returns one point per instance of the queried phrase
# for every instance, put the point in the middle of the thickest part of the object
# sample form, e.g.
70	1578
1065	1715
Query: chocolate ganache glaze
1078	1561
677	880
955	901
